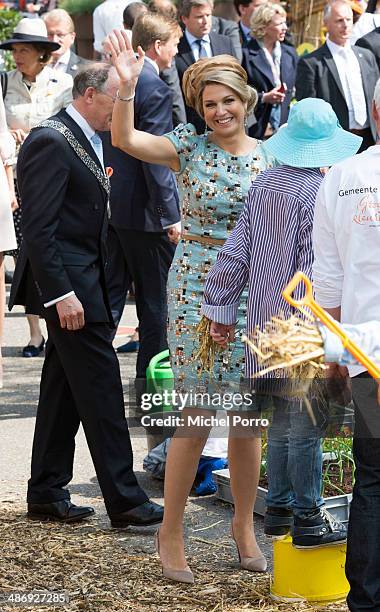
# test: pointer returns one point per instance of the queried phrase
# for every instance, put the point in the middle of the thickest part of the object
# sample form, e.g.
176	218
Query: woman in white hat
32	92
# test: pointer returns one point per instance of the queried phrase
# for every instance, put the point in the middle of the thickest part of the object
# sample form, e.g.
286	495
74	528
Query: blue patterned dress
213	185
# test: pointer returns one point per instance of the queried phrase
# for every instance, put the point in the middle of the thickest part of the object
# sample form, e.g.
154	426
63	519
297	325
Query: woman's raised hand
124	59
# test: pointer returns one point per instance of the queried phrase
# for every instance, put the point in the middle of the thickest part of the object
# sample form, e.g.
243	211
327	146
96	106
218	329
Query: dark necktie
202	49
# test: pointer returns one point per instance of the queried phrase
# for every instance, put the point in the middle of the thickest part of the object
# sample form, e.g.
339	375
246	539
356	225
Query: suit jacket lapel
243	39
284	65
363	69
184	50
368	91
79	135
216	47
260	61
73	61
329	60
103	183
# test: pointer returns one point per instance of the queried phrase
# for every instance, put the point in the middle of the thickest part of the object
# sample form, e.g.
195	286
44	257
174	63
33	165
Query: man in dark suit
245	9
343	75
229	28
219	25
169	75
371	41
144	198
60	275
198	41
60	29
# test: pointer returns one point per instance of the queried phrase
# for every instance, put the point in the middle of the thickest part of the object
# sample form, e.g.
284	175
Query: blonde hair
151	27
61	16
222	70
262	17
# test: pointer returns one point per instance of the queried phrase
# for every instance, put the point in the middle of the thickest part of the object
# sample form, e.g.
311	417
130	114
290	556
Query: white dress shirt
107	16
192	40
346	239
351	79
86	128
62	63
153	63
365	335
89	132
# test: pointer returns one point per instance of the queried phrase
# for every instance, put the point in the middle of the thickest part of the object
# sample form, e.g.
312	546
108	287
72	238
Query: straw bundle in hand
208	348
294	345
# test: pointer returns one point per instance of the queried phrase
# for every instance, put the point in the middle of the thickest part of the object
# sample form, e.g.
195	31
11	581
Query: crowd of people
179	163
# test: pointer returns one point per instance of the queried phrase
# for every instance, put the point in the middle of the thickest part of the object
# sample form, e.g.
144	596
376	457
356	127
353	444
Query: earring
245	121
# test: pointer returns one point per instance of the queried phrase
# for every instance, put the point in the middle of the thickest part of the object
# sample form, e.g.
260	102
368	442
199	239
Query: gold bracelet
118	96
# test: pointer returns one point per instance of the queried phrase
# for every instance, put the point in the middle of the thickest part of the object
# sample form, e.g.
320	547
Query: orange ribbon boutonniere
109	171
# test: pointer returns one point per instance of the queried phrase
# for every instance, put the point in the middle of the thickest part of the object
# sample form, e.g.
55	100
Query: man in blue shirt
245	10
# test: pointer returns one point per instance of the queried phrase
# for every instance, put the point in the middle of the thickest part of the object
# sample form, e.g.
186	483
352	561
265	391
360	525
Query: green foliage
8	21
78	7
340	463
336	468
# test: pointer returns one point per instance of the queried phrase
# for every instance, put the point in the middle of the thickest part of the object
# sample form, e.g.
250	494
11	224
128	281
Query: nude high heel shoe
186	576
252	564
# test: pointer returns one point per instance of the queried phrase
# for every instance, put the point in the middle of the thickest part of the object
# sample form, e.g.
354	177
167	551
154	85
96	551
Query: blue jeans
294	459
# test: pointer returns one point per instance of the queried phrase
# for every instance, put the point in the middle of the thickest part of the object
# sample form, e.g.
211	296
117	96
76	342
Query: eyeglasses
113	98
58	34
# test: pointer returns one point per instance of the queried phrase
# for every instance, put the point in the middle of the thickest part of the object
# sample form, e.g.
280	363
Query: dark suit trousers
148	257
81	383
363	548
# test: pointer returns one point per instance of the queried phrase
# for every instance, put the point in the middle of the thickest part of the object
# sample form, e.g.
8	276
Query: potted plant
81	13
338	479
8	21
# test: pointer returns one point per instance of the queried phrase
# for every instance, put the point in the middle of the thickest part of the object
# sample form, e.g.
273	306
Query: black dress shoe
63	511
149	513
130	347
33	351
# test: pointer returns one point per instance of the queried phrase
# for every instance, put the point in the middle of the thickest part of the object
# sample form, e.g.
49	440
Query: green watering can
160	377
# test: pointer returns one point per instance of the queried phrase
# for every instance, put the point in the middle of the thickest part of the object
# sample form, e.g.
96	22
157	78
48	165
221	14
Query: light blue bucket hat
312	138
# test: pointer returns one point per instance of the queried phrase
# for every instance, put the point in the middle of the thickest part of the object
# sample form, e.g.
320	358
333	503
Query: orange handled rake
308	300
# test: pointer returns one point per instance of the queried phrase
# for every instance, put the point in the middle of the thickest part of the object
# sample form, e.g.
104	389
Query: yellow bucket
316	574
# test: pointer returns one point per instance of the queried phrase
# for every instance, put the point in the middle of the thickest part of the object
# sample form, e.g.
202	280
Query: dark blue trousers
144	257
363	543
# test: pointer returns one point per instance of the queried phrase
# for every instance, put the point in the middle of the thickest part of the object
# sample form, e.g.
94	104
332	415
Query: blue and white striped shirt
271	241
